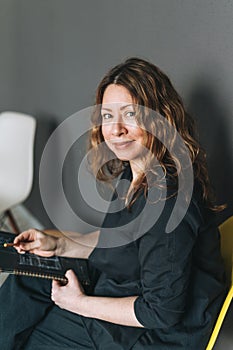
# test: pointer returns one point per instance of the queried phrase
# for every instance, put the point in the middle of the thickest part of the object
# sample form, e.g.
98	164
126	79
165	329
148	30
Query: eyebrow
121	108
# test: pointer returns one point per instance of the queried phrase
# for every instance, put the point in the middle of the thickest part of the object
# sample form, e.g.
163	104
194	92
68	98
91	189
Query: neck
137	169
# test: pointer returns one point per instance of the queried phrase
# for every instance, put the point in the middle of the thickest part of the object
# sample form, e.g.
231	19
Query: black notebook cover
36	266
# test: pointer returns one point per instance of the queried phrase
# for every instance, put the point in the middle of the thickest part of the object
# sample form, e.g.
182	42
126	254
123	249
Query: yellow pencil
5	245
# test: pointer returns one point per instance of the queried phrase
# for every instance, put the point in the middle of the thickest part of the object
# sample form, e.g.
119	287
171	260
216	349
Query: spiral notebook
42	267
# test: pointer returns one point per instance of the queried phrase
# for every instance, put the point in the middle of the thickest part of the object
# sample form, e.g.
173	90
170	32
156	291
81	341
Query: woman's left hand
68	297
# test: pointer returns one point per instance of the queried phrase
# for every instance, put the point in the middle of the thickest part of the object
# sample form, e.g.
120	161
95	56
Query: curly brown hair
152	89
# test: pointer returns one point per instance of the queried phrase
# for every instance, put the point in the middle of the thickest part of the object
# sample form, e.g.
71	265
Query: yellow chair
226	231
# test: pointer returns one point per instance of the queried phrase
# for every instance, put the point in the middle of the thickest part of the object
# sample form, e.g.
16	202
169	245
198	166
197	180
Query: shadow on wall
45	126
86	205
215	134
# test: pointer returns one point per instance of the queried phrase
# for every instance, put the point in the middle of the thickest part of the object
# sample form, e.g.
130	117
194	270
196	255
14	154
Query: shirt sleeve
165	262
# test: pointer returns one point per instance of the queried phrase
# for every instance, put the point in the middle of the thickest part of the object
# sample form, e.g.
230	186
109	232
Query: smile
122	144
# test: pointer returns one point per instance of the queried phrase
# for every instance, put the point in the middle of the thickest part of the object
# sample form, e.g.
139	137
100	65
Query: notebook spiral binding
62	279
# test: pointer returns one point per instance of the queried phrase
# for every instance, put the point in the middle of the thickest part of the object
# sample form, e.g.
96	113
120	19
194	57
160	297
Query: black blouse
177	276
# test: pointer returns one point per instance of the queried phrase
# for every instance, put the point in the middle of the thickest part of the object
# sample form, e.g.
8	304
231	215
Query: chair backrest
226	231
17	133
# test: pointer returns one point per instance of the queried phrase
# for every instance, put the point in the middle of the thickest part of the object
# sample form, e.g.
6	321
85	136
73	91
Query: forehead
116	94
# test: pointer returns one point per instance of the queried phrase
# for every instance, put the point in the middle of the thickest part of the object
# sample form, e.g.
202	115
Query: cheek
138	134
106	135
105	132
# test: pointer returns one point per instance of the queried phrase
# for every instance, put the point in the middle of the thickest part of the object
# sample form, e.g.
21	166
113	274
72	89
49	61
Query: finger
55	285
23	248
53	290
44	253
20	251
72	278
24	236
29	246
28	235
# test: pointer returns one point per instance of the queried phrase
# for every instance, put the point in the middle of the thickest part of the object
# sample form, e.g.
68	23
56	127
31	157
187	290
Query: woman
152	288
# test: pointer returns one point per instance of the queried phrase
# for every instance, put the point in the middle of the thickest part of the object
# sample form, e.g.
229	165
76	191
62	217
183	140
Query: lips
121	144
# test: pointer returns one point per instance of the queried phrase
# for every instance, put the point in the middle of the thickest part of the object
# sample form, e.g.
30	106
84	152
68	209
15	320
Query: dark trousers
29	320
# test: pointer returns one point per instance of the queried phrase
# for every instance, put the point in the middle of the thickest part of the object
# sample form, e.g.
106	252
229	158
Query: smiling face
120	130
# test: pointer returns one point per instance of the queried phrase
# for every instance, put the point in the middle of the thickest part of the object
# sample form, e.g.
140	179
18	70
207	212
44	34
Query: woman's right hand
37	242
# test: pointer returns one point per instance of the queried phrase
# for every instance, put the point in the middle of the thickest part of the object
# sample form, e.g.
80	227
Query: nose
118	129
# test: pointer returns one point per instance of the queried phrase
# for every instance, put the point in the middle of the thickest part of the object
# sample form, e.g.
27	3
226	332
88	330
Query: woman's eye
106	116
130	114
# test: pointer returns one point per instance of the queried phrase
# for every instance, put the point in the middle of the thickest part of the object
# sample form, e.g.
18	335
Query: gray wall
54	52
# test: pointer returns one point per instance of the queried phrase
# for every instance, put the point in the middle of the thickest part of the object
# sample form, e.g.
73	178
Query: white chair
17	134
